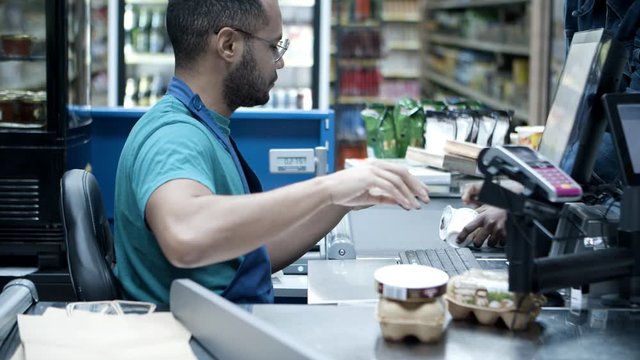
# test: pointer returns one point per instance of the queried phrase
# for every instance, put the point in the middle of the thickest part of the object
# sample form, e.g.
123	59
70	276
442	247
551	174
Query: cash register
561	174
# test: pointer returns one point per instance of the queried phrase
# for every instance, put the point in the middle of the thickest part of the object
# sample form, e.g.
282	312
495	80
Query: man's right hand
376	182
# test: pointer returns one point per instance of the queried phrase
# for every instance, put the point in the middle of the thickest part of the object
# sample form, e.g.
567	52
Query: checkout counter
348	329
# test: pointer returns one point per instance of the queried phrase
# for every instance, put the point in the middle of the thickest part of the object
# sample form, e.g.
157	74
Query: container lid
410	282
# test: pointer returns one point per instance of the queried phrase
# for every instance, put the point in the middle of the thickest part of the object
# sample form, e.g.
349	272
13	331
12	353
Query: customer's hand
376	182
489	226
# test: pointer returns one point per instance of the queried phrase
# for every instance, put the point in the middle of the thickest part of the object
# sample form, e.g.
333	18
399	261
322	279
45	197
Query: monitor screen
575	123
630	118
623	112
562	115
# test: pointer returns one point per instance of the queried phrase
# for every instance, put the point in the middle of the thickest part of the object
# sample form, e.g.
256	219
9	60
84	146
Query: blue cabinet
255	132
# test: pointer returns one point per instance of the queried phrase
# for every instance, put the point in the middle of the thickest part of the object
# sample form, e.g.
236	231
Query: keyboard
453	261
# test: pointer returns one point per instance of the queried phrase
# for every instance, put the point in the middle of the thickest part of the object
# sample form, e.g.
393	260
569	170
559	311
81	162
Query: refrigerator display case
146	63
35	131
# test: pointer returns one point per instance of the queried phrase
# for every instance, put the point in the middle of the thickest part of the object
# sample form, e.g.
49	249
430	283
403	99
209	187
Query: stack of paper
457	156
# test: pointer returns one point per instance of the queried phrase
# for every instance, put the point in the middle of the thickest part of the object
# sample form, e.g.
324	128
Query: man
183	208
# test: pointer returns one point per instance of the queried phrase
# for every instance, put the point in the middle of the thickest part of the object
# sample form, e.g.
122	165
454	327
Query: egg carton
514	318
399	320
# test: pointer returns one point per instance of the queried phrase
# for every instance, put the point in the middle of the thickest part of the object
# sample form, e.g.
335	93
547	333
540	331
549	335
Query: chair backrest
90	251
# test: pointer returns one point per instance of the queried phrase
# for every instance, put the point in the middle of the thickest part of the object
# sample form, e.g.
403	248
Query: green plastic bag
408	118
378	123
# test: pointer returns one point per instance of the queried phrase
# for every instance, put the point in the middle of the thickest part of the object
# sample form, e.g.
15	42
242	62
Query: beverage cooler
41	75
145	61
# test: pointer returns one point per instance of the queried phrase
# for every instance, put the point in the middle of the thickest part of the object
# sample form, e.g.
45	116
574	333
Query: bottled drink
144	91
292	99
142	31
128	24
156	35
131	93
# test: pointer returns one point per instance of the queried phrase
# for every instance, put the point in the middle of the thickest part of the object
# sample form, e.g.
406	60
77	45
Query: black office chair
90	251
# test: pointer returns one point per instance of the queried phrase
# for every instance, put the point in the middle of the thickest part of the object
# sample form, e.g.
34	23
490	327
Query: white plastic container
452	222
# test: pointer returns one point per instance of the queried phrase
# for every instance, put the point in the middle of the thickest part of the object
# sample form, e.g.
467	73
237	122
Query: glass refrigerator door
23	65
33	130
147	62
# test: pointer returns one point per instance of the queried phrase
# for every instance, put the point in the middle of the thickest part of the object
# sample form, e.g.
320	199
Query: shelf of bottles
149	61
148	58
23	68
375	60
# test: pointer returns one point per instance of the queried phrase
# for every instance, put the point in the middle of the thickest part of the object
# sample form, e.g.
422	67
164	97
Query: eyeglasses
277	48
115	307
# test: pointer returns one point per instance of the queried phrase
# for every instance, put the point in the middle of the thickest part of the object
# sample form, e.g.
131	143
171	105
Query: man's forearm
298	239
195	228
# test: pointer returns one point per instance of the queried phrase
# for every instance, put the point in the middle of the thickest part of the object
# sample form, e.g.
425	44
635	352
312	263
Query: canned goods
23	108
18	45
8	107
33	108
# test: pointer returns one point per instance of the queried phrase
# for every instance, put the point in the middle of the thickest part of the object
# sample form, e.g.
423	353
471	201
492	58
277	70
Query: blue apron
252	282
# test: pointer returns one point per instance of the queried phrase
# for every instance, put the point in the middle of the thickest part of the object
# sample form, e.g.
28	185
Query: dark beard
243	86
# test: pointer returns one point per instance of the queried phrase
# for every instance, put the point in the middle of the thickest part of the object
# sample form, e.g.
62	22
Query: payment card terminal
530	168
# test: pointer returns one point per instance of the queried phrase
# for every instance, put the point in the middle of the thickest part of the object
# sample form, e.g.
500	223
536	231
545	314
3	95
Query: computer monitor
575	123
623	113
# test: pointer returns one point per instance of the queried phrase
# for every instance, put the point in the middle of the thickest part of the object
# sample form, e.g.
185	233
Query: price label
291	161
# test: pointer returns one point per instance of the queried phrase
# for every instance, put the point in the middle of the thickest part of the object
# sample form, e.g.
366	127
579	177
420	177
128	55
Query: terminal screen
630	119
565	108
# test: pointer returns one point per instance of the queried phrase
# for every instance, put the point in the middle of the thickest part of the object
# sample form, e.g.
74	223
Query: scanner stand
529	272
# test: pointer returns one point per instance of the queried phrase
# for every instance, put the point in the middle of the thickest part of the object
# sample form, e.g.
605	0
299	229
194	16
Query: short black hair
190	23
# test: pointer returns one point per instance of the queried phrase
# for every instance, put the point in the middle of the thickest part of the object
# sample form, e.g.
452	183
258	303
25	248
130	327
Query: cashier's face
245	85
249	82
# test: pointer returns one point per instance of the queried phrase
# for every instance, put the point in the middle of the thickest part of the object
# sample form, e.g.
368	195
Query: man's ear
227	44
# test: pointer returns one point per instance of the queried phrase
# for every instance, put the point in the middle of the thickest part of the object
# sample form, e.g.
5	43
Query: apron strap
181	91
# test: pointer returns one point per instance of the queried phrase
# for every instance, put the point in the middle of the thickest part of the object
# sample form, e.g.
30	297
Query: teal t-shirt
167	143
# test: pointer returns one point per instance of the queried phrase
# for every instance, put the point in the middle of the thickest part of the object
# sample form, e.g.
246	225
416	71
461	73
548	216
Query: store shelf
446	82
133	58
356	25
26	58
359	62
357	100
477	44
401	18
408	75
298	63
525	18
403	45
463	4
